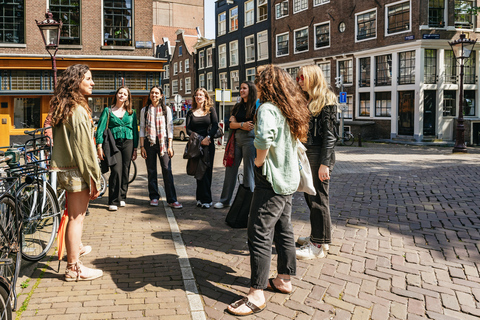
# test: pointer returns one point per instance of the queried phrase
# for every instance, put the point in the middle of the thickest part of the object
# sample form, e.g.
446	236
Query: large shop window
364	79
26	113
383	104
67	11
384	70
469	103
450	67
449	103
345	69
118	22
12	21
398	17
463	15
436	13
406	67
364	105
469	69
430	72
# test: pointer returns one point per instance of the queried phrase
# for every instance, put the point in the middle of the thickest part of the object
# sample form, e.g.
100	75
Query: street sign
343	97
178	98
223	95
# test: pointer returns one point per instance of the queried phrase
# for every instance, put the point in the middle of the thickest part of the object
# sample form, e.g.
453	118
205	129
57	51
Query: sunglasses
301	77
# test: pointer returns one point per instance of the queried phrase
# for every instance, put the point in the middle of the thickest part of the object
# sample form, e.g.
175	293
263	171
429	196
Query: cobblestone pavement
405	246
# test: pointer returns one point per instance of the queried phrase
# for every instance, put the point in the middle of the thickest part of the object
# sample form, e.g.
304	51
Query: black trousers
269	221
204	185
319	204
118	181
166	164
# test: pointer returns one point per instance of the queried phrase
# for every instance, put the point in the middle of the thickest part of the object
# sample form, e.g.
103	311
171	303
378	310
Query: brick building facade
399	73
113	37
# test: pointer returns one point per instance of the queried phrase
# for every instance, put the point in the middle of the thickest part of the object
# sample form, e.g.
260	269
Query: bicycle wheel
5	305
133	172
348	139
103	185
10	257
40	212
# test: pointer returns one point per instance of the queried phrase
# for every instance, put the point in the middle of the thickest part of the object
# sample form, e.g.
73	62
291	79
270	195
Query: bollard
359	139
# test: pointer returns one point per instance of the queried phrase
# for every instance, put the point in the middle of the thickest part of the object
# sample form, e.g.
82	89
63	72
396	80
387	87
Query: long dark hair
149	101
278	87
127	104
67	94
251	100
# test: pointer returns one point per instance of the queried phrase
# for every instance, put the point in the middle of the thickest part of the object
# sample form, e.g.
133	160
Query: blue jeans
269	221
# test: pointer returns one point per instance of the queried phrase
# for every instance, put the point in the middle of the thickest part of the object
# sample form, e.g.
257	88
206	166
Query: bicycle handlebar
32	132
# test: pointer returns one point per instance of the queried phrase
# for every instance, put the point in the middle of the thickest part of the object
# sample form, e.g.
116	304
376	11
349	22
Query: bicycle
105	177
348	139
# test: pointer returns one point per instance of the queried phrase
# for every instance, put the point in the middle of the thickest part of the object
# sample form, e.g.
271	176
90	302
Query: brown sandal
253	308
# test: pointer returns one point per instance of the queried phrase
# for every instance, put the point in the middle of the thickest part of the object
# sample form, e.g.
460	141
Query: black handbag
237	216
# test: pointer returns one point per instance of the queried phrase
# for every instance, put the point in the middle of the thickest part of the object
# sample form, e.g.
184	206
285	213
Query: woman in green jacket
75	160
122	122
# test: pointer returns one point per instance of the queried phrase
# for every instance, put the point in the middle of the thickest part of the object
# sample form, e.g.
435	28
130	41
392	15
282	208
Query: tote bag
306	179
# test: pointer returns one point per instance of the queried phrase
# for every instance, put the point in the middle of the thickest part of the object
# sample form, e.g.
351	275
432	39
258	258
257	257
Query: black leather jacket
323	136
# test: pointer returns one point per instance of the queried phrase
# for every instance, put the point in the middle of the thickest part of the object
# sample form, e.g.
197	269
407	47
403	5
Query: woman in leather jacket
321	142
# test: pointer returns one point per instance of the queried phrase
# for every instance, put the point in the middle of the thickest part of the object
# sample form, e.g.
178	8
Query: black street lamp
462	48
50	30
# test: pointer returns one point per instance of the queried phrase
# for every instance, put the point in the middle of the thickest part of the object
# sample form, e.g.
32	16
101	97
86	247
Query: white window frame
288	44
201	59
180	51
315	35
180	84
187	65
233	17
166	89
338	71
174	86
295	51
208	54
376	25
474	16
250	45
175	68
264	4
250	72
234	57
317	3
180	67
281	5
386	18
167	71
249	12
236	74
222	25
188	85
222	76
329	79
209	81
262	36
220	54
304	2
201	81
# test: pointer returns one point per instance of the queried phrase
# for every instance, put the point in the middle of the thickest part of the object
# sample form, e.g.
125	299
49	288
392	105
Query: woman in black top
321	142
202	119
241	123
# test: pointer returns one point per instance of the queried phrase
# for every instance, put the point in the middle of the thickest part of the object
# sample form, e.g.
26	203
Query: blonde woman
321	154
202	119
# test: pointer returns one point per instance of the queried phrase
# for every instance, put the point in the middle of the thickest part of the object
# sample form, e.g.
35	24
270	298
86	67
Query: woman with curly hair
75	159
202	119
280	121
241	124
322	103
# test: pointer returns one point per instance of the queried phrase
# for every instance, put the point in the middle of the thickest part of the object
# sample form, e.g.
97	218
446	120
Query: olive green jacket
74	147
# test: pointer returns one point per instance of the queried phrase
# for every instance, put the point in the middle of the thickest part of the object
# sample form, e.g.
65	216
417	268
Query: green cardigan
74	148
125	128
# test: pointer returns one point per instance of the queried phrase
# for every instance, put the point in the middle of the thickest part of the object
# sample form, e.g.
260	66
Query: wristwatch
241	125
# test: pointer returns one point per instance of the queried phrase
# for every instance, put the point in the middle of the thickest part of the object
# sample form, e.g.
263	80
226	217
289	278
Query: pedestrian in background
241	125
280	121
75	159
156	139
321	155
202	119
122	122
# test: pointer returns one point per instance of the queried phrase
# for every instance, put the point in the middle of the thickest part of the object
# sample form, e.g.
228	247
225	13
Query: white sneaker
303	240
199	203
206	205
122	204
310	251
112	208
219	205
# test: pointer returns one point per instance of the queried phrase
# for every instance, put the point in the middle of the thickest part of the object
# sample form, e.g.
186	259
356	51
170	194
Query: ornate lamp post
50	30
462	48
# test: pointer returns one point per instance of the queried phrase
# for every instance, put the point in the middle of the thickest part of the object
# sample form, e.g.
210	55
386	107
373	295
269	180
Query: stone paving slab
405	246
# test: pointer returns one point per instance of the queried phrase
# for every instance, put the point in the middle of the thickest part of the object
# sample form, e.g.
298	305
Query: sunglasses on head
301	77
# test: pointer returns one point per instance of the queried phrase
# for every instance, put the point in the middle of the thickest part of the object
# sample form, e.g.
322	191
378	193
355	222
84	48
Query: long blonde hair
317	88
206	105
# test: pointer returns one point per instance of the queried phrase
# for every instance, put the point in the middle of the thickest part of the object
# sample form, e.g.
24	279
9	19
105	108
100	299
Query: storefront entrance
406	103
429	112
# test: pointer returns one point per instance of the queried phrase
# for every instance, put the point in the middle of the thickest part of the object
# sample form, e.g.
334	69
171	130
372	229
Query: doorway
429	112
406	102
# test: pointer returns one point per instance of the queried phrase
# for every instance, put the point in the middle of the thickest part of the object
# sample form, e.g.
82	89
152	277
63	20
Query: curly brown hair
67	95
206	105
278	87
